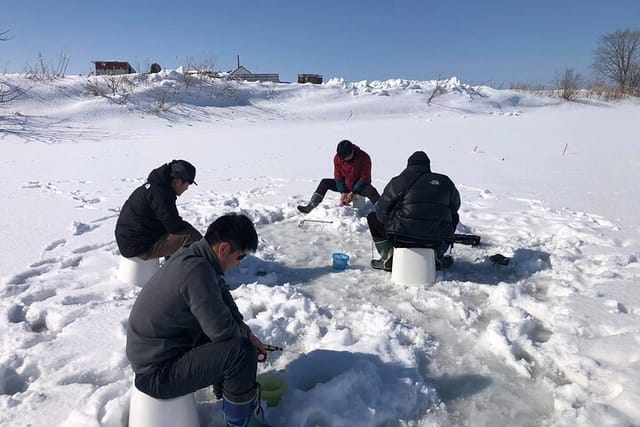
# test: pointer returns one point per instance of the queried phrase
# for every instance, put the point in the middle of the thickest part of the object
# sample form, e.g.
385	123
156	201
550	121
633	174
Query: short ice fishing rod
263	356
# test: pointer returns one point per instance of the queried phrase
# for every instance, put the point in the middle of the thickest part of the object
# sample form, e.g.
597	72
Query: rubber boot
385	249
315	201
240	411
443	261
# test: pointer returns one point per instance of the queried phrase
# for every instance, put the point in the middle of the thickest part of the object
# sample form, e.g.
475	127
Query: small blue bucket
340	261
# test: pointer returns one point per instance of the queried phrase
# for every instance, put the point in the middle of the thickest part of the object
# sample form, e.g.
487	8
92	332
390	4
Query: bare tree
617	57
8	91
568	84
635	80
43	70
204	65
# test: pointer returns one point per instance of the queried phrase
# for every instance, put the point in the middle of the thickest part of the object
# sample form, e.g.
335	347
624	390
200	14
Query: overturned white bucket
136	271
413	266
146	411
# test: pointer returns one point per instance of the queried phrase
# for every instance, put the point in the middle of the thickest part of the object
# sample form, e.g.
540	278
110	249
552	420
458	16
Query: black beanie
419	158
345	148
183	170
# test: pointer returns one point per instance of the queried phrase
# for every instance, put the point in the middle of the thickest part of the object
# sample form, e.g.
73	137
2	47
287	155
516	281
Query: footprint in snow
38	296
88	248
56	243
38	270
71	262
11	382
79	228
31	184
16	313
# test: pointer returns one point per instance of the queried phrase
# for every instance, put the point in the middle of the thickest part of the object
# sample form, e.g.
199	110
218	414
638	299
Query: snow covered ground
551	339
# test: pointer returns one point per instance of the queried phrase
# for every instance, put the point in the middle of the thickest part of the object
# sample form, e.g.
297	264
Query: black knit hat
345	148
183	170
419	158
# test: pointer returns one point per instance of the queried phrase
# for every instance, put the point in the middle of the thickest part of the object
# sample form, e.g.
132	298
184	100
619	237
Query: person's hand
343	199
262	352
349	198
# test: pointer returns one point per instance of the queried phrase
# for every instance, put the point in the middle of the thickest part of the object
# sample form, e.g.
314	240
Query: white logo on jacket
434	182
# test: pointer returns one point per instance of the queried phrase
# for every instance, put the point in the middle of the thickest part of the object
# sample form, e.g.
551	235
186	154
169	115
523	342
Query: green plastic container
273	387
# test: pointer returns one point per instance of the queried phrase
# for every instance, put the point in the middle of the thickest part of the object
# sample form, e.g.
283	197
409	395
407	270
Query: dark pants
232	363
367	191
376	227
378	233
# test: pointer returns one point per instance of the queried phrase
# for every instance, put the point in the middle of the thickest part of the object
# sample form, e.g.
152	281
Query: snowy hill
550	339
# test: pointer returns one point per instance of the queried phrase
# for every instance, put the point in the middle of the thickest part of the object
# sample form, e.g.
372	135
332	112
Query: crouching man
185	331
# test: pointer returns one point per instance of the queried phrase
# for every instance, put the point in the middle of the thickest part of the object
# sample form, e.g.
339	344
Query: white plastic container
145	411
136	271
413	266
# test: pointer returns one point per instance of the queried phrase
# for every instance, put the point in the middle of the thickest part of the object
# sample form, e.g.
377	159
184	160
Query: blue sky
491	42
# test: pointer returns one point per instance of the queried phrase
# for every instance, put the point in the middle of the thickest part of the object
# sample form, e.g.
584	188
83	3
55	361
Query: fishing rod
320	221
271	348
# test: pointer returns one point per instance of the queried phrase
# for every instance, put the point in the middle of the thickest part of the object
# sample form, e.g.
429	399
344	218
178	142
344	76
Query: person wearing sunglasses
149	225
185	331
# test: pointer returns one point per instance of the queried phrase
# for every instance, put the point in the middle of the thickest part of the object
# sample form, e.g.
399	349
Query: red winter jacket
354	174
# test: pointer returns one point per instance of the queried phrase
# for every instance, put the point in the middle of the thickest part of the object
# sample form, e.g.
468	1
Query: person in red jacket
351	176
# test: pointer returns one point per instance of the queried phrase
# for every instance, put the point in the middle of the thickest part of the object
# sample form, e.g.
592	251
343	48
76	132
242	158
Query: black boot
315	201
445	262
385	249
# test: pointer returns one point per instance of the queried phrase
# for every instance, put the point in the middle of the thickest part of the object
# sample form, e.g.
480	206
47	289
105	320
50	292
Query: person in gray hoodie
185	331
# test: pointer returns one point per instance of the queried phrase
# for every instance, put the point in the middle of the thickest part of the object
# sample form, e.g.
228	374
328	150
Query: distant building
113	68
241	73
310	78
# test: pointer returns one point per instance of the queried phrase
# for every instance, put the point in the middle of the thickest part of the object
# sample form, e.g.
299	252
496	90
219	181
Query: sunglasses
242	254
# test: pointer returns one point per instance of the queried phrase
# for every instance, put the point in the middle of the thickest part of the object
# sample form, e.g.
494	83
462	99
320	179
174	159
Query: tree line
616	61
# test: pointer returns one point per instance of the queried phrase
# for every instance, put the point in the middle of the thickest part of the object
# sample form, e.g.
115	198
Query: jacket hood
203	248
161	175
419	158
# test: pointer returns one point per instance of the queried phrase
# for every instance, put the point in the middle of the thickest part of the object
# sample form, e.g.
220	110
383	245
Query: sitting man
418	208
352	175
149	225
185	331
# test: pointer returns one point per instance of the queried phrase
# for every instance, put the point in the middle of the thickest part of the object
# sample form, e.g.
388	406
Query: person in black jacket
418	208
185	331
149	225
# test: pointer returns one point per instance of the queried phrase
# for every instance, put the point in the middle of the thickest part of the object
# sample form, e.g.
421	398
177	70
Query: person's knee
243	351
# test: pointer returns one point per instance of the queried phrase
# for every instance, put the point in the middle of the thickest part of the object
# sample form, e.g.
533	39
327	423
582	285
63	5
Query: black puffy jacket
148	213
419	205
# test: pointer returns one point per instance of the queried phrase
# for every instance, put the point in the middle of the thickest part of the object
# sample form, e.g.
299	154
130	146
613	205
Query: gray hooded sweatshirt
183	304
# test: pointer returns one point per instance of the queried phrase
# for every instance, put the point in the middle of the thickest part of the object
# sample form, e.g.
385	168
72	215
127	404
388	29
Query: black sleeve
454	203
164	207
387	201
